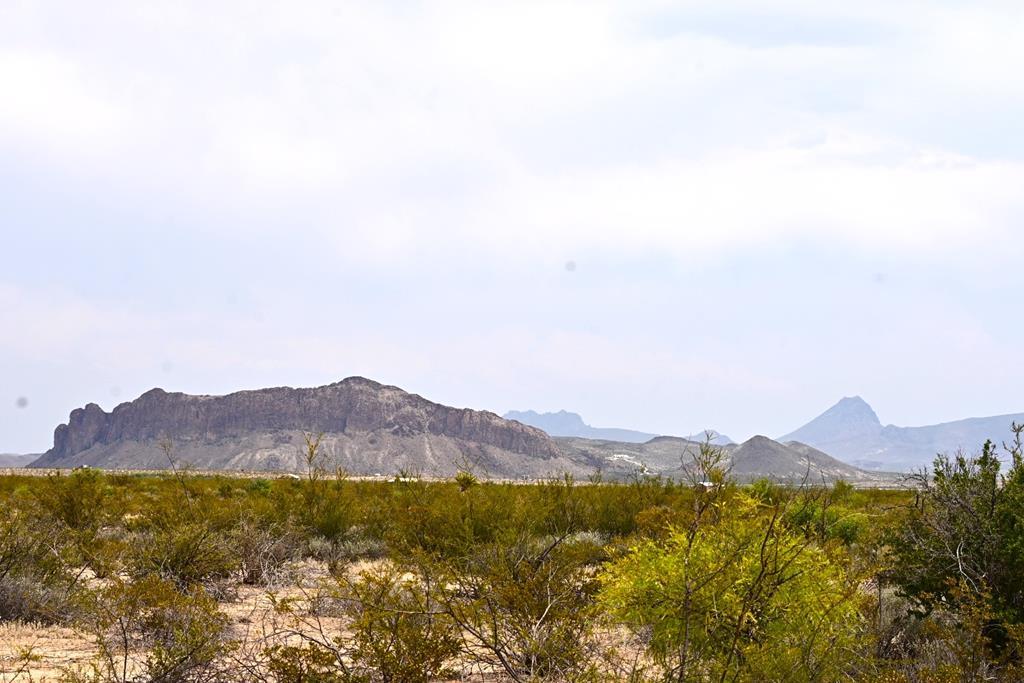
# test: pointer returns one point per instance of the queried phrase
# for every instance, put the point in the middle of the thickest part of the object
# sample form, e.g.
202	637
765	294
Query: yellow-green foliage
738	594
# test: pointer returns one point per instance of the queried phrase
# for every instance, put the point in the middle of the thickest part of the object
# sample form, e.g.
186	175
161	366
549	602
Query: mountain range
369	428
564	423
755	458
851	431
15	460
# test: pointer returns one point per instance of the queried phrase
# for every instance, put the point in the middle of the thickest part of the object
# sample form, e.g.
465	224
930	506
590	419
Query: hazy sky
664	216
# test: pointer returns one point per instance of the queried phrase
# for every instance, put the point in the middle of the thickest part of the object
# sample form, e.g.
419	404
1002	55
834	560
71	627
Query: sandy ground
36	653
51	650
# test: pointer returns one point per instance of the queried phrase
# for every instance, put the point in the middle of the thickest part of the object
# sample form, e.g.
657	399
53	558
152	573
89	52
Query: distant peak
854	406
562	416
850	417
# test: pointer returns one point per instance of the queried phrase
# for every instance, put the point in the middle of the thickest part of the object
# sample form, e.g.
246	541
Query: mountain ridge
847	432
17	459
243	428
369	428
756	458
565	423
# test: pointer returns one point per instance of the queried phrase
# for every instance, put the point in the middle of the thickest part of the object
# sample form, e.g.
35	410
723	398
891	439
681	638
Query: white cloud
854	192
343	113
50	105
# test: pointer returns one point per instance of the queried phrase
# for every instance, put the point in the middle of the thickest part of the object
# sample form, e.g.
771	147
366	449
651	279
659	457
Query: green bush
524	609
738	596
967	524
399	632
307	663
34	582
189	554
148	630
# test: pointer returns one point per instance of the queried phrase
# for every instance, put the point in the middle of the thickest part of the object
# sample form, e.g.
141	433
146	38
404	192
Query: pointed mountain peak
853	406
850	417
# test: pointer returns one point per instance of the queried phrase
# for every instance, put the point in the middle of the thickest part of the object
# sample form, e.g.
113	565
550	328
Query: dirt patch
40	653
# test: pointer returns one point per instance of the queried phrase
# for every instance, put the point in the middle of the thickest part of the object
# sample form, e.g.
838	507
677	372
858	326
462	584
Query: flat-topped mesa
353	406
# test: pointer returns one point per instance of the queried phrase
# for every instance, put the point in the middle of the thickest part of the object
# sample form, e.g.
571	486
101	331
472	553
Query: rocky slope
850	430
368	428
757	457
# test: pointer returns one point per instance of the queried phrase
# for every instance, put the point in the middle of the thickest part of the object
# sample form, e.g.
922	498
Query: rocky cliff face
353	410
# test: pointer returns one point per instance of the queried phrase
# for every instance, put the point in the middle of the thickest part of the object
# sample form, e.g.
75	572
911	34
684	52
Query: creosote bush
523	608
35	584
397	631
148	630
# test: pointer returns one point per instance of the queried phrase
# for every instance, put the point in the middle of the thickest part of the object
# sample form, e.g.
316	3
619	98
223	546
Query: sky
665	216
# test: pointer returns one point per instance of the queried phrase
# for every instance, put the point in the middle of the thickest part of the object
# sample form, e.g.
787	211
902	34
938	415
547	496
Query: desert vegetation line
178	576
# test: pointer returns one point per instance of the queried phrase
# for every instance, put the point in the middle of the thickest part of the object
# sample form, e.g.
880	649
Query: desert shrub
967	525
399	632
955	555
818	517
767	491
423	518
842	491
80	501
616	509
522	609
952	644
562	508
262	552
325	504
307	663
396	631
27	598
656	522
260	487
34	584
338	554
847	527
187	554
148	630
79	508
738	595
